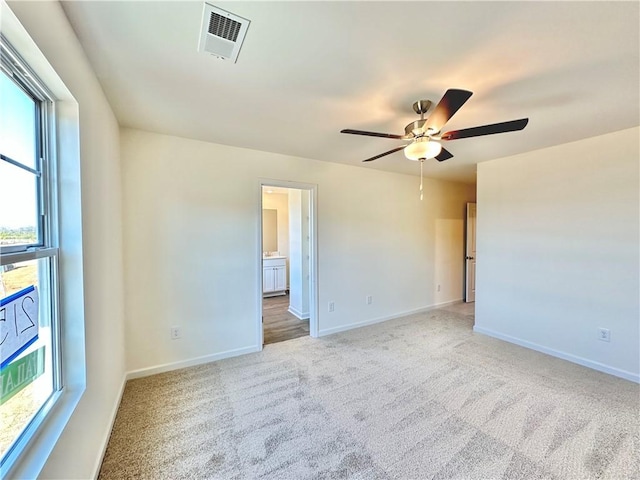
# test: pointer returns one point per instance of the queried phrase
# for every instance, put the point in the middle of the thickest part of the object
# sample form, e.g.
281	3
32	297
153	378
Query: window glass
17	123
27	382
18	206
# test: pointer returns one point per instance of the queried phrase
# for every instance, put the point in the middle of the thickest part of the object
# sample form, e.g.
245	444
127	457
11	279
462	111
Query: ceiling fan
425	133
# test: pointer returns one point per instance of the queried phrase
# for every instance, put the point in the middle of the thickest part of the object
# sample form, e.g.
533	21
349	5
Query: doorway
287	262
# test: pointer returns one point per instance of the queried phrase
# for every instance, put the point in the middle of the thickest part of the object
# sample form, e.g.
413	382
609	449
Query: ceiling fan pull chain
421	192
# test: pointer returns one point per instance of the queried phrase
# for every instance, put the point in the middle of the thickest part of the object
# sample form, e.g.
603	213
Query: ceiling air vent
222	33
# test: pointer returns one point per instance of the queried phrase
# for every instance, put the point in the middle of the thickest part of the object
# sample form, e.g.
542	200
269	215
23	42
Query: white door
470	259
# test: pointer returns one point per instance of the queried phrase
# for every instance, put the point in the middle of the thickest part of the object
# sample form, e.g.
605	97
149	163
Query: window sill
37	448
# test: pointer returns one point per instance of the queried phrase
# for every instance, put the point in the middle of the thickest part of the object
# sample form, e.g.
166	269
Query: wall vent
222	33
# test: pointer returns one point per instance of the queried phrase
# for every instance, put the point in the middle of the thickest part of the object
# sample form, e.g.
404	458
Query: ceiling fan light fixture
422	148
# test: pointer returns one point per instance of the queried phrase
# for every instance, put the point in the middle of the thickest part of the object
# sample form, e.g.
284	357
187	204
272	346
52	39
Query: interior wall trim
298	314
585	362
168	367
107	434
373	321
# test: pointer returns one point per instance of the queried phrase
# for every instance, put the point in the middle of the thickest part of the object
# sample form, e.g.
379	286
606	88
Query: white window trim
36	449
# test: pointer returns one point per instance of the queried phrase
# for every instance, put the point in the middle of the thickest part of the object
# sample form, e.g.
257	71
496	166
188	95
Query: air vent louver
222	33
223	27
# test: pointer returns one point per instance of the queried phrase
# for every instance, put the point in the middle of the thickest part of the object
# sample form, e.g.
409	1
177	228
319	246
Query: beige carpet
421	397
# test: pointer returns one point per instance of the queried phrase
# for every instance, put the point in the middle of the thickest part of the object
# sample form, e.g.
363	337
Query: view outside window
28	260
32	368
18	186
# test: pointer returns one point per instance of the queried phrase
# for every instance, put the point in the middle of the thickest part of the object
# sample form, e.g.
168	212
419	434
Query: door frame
313	253
469	260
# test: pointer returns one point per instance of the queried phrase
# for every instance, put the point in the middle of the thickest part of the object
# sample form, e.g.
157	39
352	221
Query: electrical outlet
332	306
604	334
175	333
369	299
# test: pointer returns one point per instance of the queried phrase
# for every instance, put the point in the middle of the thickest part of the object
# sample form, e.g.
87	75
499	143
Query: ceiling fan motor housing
414	129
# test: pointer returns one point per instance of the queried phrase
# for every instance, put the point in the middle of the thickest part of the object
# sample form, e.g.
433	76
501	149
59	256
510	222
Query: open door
470	259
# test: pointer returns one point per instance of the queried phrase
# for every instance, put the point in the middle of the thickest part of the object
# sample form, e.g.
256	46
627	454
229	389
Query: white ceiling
309	69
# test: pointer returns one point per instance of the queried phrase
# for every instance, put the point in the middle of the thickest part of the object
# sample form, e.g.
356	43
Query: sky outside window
18	207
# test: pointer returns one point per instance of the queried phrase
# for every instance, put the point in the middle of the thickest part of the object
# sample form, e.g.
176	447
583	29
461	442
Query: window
30	368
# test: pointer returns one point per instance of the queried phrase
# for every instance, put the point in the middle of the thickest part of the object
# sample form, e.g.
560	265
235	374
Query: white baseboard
373	321
298	314
107	434
167	367
559	354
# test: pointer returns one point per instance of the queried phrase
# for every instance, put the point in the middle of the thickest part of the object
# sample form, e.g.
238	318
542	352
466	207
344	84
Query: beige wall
193	245
557	248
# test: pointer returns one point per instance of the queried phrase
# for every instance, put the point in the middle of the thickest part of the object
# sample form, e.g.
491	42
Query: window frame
47	241
18	71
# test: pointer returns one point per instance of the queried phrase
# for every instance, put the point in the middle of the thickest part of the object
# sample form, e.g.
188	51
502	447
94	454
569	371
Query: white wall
299	250
305	234
78	452
557	250
192	212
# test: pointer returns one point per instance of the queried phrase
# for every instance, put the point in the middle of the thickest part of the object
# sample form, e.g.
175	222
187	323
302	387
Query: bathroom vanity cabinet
274	276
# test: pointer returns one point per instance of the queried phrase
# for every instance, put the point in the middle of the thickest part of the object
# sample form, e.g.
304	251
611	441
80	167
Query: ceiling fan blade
503	127
449	104
373	134
385	153
444	155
